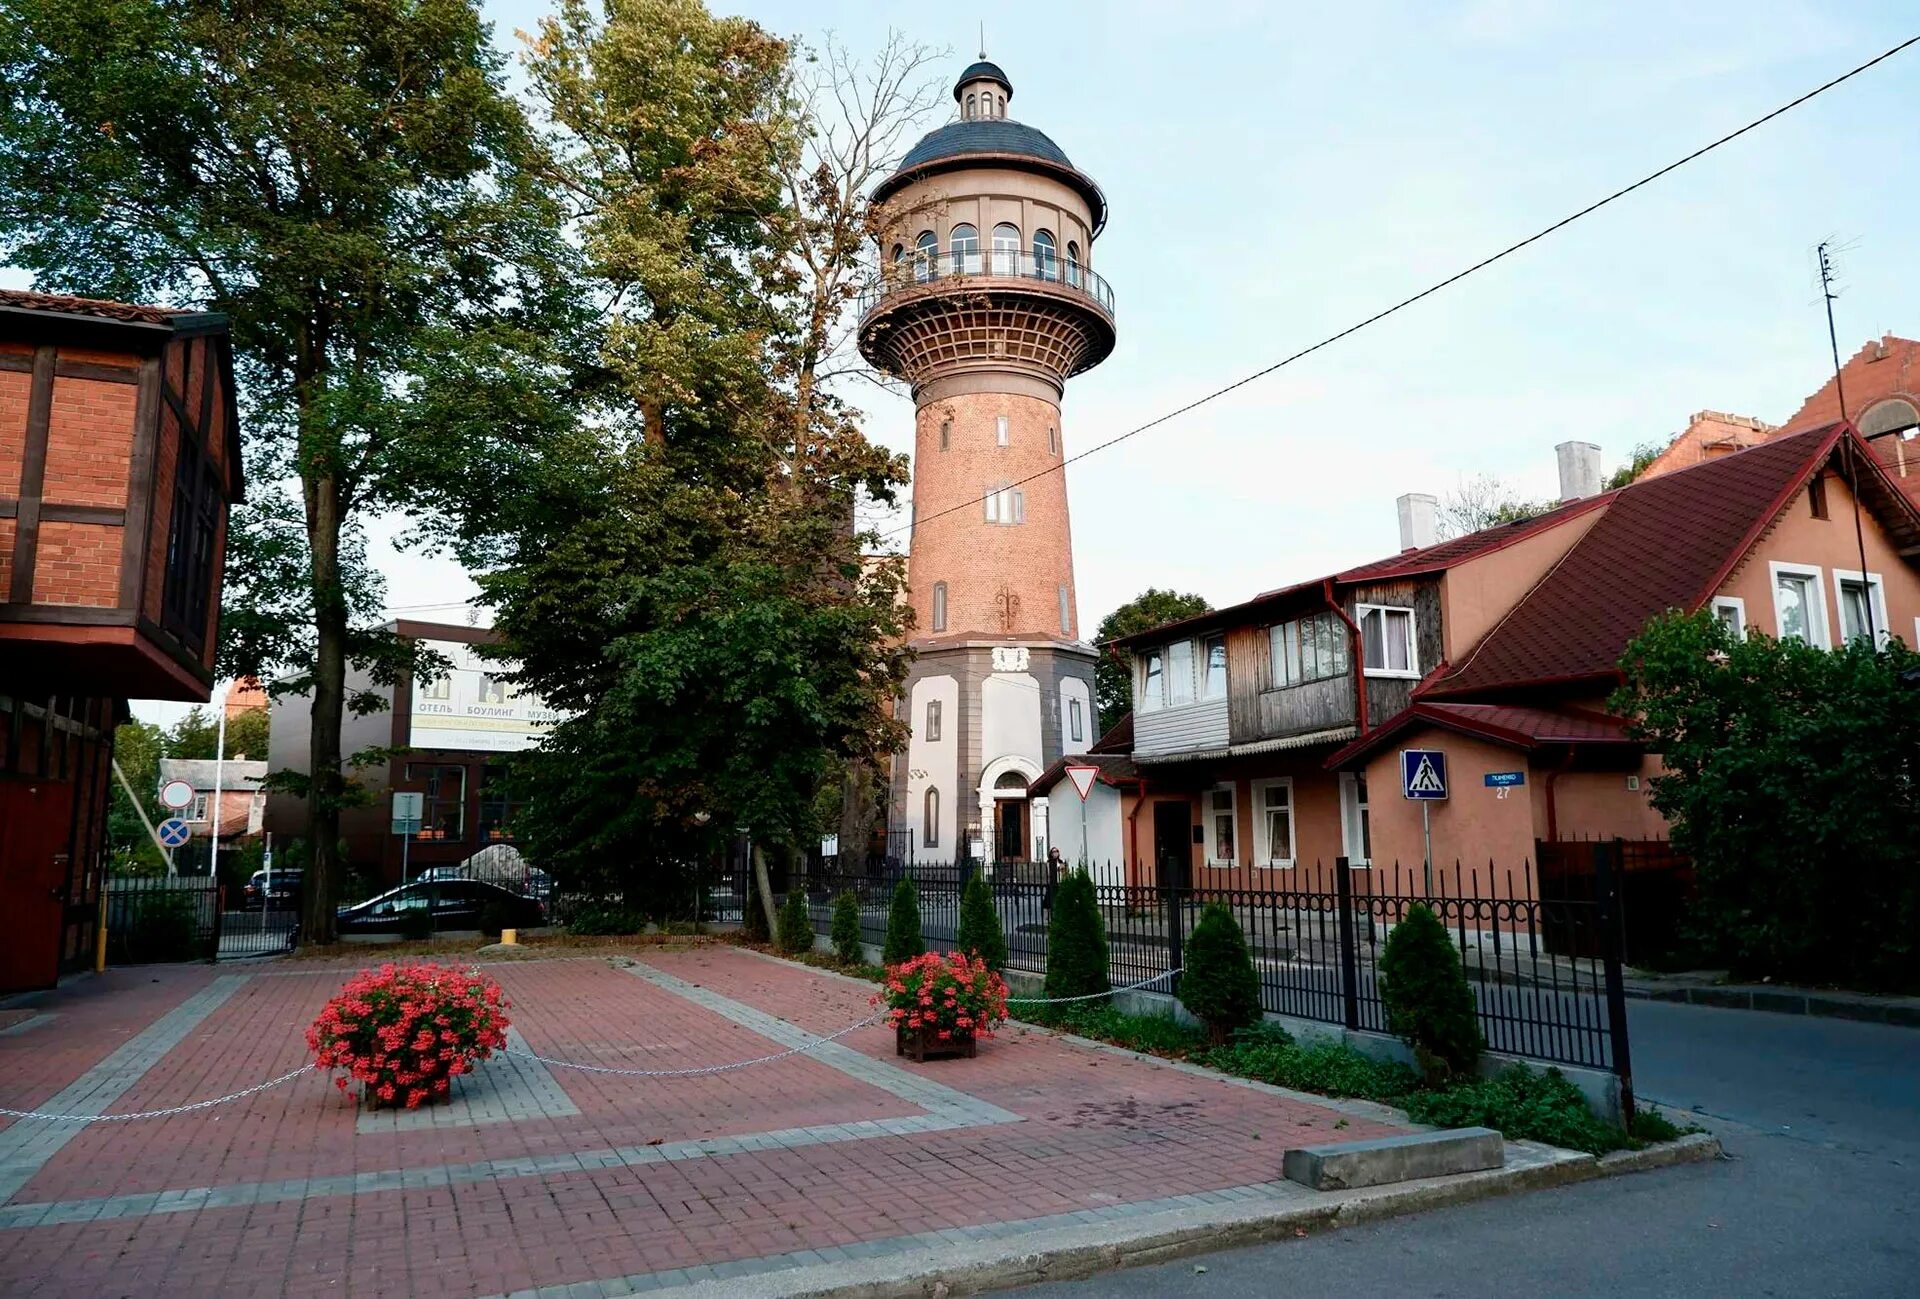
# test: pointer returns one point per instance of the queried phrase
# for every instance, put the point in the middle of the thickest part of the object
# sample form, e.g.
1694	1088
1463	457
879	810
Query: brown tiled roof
1664	543
1113	768
126	311
1518	727
1117	740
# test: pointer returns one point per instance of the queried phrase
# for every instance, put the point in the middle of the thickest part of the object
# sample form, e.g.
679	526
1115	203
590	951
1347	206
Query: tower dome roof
983	70
996	135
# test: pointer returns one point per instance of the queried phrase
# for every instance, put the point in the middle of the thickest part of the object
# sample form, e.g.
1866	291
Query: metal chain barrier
1094	996
254	1090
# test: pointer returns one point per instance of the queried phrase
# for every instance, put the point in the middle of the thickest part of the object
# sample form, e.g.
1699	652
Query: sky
1278	172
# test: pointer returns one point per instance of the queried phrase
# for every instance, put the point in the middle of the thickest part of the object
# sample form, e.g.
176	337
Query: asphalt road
1820	1194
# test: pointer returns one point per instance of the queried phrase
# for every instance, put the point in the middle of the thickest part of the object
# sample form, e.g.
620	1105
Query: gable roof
1115	769
1666	542
1437	558
1523	728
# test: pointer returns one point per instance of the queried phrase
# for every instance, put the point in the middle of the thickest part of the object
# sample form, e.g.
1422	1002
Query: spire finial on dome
983	40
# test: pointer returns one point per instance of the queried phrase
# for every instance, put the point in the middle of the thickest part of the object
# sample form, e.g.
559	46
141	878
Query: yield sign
1082	778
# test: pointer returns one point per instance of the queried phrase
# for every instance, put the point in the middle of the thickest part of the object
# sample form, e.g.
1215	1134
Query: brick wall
978	560
15	386
78	563
89	443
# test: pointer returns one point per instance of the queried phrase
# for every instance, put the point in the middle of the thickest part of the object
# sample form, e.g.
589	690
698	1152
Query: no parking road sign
1423	774
173	832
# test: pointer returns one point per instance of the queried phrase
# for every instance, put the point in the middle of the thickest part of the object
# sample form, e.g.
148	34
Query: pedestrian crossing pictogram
1423	773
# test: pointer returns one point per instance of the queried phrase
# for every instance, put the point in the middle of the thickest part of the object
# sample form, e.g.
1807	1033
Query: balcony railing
918	269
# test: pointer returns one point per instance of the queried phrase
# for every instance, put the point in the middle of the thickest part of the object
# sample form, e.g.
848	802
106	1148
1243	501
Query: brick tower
987	303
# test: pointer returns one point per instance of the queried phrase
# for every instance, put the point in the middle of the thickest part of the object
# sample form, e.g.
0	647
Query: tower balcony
938	313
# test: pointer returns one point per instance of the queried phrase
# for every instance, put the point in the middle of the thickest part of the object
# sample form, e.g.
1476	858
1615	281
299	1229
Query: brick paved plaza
533	1178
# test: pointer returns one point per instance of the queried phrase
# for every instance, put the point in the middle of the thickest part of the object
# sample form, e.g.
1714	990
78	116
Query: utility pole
1853	474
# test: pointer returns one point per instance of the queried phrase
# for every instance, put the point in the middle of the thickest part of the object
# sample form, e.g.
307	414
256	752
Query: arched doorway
1010	817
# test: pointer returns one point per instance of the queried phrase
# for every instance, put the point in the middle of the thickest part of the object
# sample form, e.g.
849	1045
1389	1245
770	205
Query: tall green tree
1112	679
137	747
698	604
348	180
197	735
1790	780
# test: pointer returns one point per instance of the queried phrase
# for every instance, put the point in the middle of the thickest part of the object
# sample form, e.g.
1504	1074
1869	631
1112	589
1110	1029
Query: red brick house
1269	734
1882	383
119	457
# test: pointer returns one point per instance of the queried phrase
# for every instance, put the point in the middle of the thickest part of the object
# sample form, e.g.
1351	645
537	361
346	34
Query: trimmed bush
796	925
1429	1005
846	929
980	933
904	940
599	919
1076	940
1523	1106
1220	985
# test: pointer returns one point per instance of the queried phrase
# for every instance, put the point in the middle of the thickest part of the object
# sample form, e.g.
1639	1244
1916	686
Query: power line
1427	292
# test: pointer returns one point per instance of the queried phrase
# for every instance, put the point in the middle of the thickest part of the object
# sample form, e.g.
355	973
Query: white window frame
1006	505
1203	668
1876	602
1193	682
1351	838
1412	673
1076	721
1209	811
1262	841
1000	430
1145	702
1819	635
1738	607
939	606
933	722
197	811
1066	619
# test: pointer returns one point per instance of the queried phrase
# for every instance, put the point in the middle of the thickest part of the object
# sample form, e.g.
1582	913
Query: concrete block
1345	1165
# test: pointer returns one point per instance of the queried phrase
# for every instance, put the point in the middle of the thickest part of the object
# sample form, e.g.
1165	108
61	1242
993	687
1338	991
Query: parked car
530	881
285	883
451	904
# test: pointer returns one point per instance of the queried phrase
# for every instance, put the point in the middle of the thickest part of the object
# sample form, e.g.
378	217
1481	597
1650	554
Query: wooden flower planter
923	1044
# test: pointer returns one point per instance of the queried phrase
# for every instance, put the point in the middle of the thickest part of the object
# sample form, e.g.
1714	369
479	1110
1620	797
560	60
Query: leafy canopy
1790	781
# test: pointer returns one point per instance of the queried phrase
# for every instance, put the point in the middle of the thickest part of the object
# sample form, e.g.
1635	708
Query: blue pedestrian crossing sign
1423	774
173	832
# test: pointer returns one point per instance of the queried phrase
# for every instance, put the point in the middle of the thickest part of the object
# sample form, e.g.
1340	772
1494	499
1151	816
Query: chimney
1579	470
1419	520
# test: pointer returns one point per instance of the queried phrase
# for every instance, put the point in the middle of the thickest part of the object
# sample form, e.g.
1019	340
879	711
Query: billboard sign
474	707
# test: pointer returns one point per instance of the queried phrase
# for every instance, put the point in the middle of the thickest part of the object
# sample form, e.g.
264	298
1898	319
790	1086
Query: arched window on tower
930	820
939	606
926	255
946	434
1006	249
1888	416
964	244
1043	255
969	108
1073	263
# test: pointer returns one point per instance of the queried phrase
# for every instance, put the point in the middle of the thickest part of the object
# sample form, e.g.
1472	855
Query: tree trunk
324	867
764	887
856	814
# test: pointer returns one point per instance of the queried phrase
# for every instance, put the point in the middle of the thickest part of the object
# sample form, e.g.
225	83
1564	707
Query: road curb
1075	1252
1787	1001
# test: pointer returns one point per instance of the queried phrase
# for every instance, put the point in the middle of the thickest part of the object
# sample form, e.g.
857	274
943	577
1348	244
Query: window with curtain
1796	605
1215	682
1220	825
1386	639
1273	828
1308	649
1179	673
1006	504
1356	822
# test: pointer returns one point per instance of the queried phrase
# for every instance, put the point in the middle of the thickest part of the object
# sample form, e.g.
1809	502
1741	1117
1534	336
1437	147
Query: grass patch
1160	1035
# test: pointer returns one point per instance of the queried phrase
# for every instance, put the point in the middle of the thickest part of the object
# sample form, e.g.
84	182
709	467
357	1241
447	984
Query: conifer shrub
1429	1005
980	933
1076	940
846	929
1220	985
796	925
904	940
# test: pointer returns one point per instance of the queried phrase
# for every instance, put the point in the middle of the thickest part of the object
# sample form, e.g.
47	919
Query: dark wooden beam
33	476
67	615
97	373
17	361
111	515
146	437
210	375
171	646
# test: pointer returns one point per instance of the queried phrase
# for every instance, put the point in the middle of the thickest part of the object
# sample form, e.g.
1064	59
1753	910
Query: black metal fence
1545	973
154	918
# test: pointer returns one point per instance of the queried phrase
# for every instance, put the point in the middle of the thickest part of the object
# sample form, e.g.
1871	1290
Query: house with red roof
1269	734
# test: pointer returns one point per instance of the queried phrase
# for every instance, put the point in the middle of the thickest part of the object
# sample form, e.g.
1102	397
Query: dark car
282	891
442	904
529	881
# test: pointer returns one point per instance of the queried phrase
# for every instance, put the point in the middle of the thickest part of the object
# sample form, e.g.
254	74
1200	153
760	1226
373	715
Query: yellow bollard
509	937
100	934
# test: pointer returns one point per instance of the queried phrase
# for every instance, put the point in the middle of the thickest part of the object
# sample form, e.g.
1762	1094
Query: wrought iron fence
153	918
1545	972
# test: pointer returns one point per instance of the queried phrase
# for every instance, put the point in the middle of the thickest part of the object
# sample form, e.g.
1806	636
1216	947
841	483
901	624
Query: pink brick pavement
1095	1129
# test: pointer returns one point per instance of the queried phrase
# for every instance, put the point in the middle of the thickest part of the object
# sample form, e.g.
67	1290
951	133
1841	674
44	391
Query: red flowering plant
955	997
405	1032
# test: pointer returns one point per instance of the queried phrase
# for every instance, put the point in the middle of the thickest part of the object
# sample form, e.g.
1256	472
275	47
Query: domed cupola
982	92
